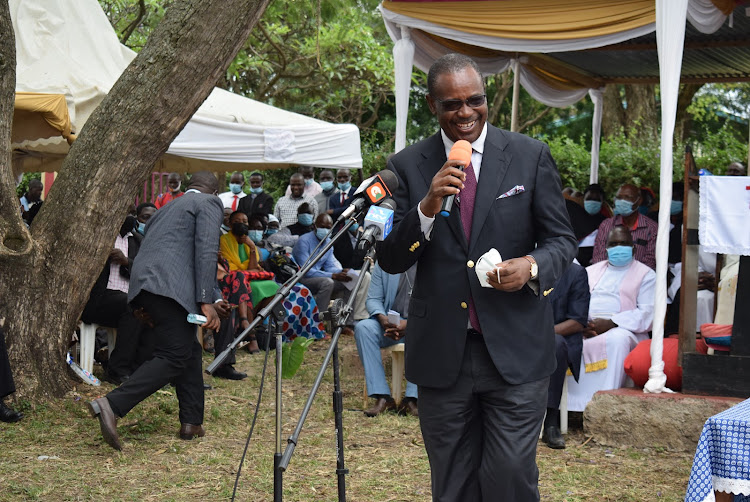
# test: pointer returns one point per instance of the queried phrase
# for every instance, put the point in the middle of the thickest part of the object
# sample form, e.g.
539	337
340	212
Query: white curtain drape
670	40
403	60
545	94
597	97
705	16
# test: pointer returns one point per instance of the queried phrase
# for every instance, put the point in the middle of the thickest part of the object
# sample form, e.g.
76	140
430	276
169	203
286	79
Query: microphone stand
340	317
278	316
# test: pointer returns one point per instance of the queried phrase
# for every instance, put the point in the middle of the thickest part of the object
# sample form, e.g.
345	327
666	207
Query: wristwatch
534	267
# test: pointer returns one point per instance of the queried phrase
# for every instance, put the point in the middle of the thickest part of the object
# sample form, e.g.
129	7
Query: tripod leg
338	413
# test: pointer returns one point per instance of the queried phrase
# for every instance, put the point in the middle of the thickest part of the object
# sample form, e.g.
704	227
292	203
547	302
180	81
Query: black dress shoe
107	421
408	407
229	373
552	437
9	415
381	405
190	431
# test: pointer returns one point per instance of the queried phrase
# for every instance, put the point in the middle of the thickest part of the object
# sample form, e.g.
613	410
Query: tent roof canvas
70	48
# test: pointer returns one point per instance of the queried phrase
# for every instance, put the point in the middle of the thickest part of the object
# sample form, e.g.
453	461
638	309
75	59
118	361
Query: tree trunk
641	116
48	273
613	118
684	120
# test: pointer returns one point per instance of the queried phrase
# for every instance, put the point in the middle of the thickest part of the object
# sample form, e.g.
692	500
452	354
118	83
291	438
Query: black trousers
7	386
557	379
177	359
132	348
481	434
224	336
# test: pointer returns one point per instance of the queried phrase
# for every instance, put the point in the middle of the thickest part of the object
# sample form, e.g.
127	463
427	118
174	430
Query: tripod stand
339	314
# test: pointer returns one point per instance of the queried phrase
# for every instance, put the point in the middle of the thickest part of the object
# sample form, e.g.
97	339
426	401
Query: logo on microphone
375	193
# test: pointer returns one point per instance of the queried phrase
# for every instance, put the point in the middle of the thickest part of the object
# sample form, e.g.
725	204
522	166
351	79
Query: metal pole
277	472
514	104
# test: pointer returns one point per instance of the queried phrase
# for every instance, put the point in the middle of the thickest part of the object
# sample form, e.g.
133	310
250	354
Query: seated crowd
603	311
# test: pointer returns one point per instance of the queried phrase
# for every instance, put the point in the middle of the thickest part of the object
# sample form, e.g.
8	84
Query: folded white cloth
485	264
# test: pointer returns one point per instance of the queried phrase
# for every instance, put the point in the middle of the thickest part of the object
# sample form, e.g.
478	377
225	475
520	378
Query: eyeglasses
451	105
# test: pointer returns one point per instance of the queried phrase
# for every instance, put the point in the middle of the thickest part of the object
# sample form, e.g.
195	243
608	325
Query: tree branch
502	92
134	24
366	124
535	119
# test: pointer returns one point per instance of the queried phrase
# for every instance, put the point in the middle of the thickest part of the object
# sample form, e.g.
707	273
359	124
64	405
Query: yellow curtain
39	116
533	20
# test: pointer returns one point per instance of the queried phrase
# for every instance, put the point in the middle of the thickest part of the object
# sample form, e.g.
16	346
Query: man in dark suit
340	201
480	356
258	201
173	275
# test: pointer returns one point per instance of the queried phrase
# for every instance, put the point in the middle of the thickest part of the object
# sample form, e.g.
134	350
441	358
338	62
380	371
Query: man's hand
448	181
514	274
213	322
396	332
600	325
706	281
117	257
341	276
222	309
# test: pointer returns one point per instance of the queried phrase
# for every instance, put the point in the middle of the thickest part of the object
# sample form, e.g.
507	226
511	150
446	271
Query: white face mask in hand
485	264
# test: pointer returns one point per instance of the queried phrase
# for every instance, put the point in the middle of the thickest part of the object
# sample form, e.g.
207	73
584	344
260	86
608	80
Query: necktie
234	203
466	208
343	197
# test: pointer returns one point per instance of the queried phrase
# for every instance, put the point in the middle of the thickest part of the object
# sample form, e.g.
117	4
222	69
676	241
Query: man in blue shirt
326	277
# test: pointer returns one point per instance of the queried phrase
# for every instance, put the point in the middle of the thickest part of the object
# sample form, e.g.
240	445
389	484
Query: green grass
385	455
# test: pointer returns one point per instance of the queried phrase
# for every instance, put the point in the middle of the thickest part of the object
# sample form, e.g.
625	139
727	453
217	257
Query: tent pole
514	106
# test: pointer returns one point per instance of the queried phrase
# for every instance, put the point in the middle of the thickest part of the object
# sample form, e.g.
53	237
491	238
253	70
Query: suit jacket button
470	264
463	305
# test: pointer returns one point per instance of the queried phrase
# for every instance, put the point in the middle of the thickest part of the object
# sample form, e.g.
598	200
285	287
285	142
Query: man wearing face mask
327	277
257	201
312	187
586	220
108	305
287	206
621	312
143	213
304	221
328	185
232	198
341	200
642	228
174	182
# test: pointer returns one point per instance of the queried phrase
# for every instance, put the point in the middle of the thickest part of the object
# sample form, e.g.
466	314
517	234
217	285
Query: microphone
461	150
372	191
378	224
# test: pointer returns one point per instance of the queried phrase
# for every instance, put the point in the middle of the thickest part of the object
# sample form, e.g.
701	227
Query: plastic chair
87	344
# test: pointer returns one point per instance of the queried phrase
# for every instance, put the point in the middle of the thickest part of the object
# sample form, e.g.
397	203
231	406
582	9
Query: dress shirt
116	281
227	198
325	267
312	189
477	150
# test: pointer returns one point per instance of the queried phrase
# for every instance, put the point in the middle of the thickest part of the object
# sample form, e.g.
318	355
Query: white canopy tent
70	48
424	31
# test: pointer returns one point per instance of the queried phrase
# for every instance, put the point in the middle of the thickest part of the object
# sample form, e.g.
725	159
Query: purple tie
466	207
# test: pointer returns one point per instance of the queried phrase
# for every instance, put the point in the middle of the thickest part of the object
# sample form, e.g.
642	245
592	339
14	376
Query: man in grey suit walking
480	356
173	275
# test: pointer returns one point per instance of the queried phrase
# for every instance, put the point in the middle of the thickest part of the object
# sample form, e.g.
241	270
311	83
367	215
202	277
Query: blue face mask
271	231
619	256
675	207
255	235
623	207
353	228
344	187
592	206
327	186
308	181
256	191
141	228
321	233
305	219
235	188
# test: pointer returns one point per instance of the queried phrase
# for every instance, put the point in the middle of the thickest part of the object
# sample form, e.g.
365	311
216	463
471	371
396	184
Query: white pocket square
513	191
